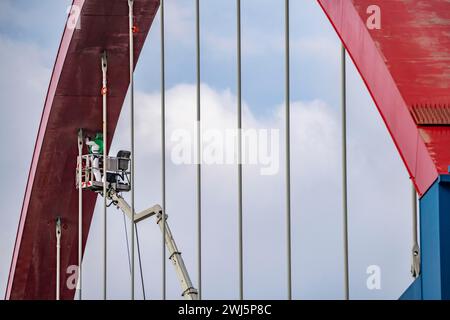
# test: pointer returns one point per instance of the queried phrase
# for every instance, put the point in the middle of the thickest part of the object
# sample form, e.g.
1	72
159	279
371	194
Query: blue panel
434	280
430	244
444	232
435	240
414	291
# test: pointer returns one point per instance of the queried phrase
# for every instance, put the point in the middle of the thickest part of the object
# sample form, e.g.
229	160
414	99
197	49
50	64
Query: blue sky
379	189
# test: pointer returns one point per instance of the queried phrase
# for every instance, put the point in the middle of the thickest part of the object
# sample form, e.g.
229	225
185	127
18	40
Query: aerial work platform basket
117	172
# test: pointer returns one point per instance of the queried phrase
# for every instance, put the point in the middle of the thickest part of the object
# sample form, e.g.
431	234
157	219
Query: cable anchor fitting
415	265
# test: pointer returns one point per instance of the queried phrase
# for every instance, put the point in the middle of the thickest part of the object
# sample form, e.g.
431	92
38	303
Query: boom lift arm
189	292
117	180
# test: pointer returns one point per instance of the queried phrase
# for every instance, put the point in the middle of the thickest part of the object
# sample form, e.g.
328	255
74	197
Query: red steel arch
406	67
73	101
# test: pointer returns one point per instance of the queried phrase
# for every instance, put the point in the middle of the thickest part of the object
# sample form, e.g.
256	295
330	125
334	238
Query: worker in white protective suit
95	147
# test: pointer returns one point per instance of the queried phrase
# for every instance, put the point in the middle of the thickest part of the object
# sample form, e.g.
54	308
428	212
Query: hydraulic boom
189	292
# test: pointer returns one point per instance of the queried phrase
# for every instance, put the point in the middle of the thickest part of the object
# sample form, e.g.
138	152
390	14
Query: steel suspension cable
344	170
239	149
80	212
104	62
163	147
58	257
132	173
415	266
126	241
199	159
414	211
140	262
288	155
139	254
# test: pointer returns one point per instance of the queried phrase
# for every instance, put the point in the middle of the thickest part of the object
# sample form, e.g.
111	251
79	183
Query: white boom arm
189	292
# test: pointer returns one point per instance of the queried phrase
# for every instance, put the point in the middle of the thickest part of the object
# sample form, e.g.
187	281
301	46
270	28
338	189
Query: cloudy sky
379	188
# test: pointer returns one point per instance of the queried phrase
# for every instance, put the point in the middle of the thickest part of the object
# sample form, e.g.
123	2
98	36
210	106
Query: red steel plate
73	101
404	64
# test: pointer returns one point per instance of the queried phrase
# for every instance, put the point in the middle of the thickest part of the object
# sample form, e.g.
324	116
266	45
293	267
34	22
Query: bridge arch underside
73	101
405	64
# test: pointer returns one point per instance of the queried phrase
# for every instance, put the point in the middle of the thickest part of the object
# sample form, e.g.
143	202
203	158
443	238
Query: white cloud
316	206
379	212
180	22
258	40
23	83
24	16
257	43
322	47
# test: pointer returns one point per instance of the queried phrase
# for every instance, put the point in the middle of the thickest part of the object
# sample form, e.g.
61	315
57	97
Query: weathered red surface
73	101
406	67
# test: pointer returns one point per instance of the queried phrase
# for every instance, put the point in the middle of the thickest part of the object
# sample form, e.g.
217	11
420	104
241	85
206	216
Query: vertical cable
139	254
239	149
126	240
58	258
288	155
104	65
80	211
140	262
415	266
199	160
414	212
163	147
130	5
344	170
